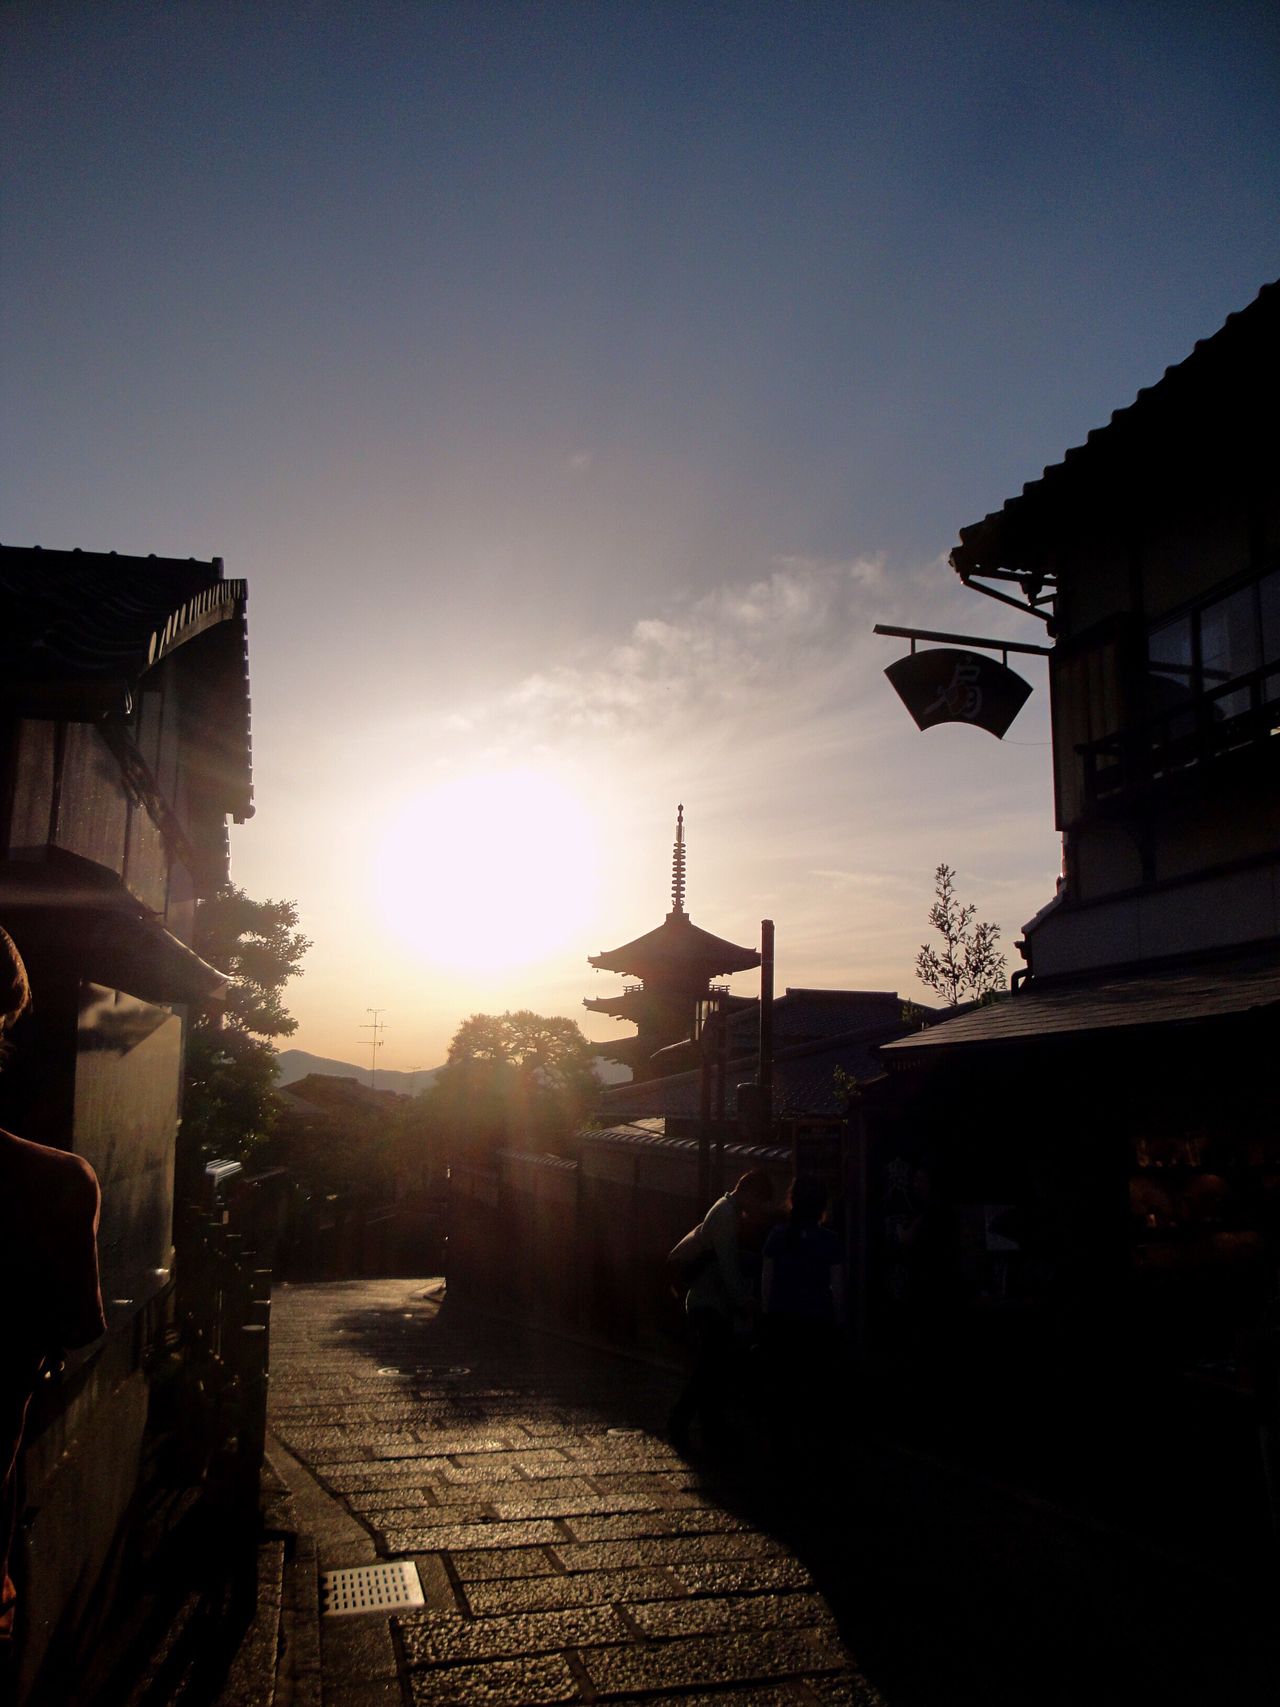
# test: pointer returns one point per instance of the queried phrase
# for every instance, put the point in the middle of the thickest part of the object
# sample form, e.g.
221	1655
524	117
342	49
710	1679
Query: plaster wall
1226	911
1107	856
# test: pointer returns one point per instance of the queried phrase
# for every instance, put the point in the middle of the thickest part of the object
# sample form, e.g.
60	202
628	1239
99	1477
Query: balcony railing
1184	740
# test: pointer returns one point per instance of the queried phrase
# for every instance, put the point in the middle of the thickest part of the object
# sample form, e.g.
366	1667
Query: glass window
1169	649
1269	609
1197	657
1230	647
1171	680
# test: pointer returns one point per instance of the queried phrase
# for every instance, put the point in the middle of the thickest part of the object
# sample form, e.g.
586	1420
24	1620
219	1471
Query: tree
231	1060
551	1053
519	1079
969	964
259	944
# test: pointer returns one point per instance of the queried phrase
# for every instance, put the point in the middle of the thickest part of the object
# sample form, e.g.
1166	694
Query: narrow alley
567	1554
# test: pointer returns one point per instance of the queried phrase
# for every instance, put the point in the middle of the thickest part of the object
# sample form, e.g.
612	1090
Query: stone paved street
567	1553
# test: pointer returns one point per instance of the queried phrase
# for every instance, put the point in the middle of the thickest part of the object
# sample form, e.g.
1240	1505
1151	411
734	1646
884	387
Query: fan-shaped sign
946	685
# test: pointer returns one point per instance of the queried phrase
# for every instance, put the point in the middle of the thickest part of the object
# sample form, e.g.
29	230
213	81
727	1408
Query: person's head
15	992
807	1200
754	1191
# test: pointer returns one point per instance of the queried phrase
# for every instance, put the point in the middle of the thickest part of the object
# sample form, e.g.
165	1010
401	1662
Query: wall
118	1062
128	1072
1172	827
584	1244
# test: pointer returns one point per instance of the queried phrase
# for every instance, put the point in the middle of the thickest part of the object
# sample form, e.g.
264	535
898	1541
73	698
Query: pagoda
673	967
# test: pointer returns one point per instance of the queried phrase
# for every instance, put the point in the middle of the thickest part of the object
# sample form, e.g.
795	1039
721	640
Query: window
1212	688
1217	662
1269	610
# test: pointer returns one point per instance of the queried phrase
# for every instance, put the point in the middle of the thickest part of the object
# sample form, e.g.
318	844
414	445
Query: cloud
866	880
810	795
580	461
731	651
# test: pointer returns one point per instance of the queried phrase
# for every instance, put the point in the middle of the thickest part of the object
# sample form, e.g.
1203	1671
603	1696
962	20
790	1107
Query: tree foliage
969	964
339	1137
551	1053
519	1080
259	944
231	1060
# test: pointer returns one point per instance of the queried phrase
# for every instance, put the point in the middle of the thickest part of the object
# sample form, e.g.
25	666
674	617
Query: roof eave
1013	539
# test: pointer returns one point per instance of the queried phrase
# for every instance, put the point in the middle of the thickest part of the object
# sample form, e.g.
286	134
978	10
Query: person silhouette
803	1303
49	1208
720	1306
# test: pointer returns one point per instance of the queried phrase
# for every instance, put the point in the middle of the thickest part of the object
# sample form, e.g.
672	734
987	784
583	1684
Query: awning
1174	996
84	916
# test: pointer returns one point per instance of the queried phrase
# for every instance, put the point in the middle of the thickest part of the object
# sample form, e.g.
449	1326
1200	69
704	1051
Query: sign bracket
1004	647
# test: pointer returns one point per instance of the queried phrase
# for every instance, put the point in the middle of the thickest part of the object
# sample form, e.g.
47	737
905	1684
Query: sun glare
489	871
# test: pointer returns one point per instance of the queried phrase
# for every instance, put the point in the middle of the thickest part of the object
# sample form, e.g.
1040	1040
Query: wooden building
124	748
1106	1141
822	1041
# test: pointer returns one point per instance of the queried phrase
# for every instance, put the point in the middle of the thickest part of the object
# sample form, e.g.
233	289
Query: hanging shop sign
946	685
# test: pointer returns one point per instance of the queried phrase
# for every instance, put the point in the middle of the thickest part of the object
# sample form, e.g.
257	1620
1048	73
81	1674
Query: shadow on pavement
948	1587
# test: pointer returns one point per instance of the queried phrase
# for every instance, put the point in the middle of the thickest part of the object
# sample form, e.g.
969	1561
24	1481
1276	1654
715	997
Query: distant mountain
295	1064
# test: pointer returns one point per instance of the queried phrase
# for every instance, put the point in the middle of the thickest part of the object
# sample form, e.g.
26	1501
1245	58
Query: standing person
720	1306
49	1205
802	1291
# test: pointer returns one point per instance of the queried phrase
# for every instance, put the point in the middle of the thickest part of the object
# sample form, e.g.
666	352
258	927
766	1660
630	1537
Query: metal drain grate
370	1588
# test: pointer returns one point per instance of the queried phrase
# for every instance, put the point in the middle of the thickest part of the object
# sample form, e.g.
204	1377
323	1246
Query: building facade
1102	1167
124	748
1157	544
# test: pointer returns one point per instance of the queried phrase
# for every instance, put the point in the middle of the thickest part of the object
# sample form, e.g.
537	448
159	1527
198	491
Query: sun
490	870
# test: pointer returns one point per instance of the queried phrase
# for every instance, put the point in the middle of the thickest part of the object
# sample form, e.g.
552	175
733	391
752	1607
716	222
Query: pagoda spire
671	968
677	865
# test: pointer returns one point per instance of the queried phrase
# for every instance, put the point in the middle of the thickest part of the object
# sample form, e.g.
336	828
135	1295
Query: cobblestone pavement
567	1553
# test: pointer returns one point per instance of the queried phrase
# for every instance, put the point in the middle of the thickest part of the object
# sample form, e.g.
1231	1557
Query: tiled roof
93	613
650	1135
79	627
804	1080
118	942
1161	425
806	1015
677	946
1176	996
331	1095
538	1159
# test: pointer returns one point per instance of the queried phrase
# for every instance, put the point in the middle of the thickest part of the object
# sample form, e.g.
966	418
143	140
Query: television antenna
377	1026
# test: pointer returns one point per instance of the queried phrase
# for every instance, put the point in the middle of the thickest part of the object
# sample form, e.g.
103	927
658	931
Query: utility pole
376	1026
764	1070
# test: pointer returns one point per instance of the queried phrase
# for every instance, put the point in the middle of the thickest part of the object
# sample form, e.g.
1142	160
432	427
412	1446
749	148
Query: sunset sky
575	385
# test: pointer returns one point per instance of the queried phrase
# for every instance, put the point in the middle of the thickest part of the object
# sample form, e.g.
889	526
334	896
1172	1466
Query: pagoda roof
620	1005
677	946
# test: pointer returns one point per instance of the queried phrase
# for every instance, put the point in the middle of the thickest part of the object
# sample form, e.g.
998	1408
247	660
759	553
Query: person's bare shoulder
41	1166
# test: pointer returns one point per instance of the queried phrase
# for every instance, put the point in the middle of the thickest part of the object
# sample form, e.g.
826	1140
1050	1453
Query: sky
575	385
